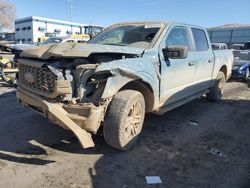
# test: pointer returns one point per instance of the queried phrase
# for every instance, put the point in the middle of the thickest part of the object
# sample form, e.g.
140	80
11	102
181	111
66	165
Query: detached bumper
80	118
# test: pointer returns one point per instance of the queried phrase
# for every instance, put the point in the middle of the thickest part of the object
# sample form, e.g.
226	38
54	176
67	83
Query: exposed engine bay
86	85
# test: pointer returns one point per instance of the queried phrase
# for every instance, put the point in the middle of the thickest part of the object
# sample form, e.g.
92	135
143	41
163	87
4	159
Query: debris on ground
65	141
153	179
169	148
218	153
193	123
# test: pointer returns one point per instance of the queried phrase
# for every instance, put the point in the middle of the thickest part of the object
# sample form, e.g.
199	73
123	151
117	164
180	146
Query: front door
177	75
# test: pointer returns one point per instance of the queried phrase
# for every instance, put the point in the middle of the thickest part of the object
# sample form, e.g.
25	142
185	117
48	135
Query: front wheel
215	93
124	119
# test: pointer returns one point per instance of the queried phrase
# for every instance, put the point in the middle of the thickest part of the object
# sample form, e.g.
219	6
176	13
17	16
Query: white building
30	29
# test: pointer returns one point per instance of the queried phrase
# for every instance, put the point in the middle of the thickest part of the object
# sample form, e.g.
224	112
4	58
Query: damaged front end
68	91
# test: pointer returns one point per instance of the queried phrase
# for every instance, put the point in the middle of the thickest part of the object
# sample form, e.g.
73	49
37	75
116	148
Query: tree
7	14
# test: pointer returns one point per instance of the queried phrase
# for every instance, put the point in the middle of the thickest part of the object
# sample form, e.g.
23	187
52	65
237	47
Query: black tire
216	92
120	130
246	78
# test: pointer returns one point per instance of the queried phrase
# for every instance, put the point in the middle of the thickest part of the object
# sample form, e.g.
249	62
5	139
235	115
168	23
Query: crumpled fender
127	70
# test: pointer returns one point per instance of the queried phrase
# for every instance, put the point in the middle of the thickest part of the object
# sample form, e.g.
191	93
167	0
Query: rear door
176	74
204	59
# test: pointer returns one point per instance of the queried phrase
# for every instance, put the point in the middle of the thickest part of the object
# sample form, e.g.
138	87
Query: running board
174	105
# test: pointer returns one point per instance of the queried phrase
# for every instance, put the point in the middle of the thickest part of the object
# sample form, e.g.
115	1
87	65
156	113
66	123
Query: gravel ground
200	144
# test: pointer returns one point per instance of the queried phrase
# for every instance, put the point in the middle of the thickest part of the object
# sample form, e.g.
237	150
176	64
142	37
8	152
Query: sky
205	13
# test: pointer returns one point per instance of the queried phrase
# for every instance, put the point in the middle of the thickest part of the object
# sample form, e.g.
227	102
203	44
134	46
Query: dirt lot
213	151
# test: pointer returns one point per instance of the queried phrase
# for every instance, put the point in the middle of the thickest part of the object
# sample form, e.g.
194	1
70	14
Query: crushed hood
69	50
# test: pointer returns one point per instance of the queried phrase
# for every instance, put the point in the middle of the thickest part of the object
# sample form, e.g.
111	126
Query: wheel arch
224	70
145	89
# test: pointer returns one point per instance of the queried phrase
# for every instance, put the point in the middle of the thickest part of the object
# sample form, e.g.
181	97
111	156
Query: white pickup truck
125	71
244	52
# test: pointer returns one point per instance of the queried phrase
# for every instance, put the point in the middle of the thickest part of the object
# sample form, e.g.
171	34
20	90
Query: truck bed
223	57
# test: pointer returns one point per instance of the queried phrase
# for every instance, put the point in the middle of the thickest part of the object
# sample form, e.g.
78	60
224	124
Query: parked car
219	46
246	46
236	46
122	73
18	48
76	39
241	69
89	32
244	52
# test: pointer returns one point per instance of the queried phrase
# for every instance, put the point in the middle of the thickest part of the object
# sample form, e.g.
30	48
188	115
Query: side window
200	39
178	36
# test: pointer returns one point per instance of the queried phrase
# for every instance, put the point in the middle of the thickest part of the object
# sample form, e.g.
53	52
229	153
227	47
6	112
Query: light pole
70	9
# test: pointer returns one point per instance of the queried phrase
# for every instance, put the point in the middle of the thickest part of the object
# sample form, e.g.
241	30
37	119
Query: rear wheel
124	119
215	93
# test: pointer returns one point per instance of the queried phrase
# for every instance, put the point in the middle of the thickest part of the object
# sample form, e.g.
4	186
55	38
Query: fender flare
116	82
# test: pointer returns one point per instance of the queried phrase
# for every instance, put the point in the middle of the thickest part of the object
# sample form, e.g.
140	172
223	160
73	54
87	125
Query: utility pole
70	9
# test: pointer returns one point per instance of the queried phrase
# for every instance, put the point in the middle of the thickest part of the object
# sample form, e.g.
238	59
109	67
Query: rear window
200	39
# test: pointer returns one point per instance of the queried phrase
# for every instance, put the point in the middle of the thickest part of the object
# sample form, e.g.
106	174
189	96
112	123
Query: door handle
191	63
210	60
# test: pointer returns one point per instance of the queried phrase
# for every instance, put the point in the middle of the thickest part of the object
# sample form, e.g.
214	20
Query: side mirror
175	52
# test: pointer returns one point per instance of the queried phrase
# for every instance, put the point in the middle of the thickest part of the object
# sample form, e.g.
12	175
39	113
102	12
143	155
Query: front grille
44	79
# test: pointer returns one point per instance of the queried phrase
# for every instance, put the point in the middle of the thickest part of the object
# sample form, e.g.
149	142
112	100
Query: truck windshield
128	35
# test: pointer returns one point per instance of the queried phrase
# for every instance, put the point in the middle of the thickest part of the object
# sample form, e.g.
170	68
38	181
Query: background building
230	34
30	29
7	36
